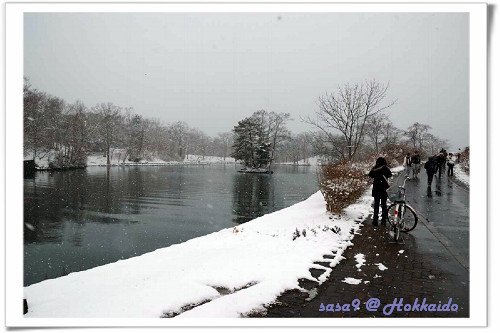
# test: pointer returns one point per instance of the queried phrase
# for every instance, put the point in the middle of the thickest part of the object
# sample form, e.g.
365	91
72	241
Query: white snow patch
314	161
381	266
398	168
312	294
256	264
460	174
350	280
360	259
401	251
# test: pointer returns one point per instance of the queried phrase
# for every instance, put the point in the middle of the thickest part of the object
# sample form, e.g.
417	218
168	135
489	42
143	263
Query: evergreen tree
251	142
245	135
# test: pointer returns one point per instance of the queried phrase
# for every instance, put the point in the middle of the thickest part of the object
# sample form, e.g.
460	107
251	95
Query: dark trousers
430	177
380	200
450	169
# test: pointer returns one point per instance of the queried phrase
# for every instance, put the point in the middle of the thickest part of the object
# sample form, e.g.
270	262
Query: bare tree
391	134
277	131
375	130
226	141
109	126
417	133
347	112
433	144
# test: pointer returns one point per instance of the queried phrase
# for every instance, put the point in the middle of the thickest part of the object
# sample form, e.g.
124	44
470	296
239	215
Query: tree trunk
108	161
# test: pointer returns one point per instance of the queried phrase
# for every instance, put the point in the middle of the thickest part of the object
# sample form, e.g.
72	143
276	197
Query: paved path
431	264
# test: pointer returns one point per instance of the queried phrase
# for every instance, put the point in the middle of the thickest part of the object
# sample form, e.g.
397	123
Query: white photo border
14	13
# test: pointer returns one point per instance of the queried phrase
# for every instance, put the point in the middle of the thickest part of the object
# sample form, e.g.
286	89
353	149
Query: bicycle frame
401	204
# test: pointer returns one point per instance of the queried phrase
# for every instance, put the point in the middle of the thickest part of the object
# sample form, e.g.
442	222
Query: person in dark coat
380	174
431	167
440	162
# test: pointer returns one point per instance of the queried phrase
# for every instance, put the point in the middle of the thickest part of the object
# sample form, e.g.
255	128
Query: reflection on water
251	195
85	218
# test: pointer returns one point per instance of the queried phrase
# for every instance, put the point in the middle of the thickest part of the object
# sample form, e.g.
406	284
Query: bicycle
399	218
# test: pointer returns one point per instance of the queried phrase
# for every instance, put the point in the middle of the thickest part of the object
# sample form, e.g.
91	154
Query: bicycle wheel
394	216
408	220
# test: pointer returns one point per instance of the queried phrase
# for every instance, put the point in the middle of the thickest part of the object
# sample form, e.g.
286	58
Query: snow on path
260	253
460	174
350	280
360	259
381	266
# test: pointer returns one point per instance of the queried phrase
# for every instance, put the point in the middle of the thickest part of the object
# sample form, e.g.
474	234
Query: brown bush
342	184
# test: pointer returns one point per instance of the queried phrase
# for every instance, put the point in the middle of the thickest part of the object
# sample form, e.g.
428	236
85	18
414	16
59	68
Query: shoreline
247	273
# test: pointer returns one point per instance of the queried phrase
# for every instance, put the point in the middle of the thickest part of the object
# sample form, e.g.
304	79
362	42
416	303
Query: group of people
412	164
436	164
381	172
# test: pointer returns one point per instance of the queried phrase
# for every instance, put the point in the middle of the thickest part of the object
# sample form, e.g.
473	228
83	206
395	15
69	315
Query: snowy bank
230	272
310	161
118	157
460	174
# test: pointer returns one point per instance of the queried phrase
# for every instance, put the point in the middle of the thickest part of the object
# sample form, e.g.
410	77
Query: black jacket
380	184
431	165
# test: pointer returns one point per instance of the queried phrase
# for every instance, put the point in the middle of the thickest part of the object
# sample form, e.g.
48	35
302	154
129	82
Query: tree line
349	123
73	131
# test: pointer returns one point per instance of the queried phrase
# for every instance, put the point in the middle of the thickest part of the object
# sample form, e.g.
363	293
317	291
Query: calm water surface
87	218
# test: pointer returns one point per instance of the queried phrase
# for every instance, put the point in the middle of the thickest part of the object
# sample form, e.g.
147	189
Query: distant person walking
380	174
450	161
415	161
459	155
407	164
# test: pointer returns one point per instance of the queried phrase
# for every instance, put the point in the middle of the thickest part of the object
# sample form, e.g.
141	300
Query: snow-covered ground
209	159
460	174
42	159
315	160
233	271
119	157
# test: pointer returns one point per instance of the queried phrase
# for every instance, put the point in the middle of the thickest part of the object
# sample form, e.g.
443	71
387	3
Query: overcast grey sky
213	69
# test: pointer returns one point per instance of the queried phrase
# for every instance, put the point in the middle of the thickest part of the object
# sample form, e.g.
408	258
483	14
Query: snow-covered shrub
342	184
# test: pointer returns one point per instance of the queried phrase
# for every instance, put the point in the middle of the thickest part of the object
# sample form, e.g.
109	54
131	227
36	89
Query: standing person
407	164
450	161
458	155
415	161
380	174
440	161
431	167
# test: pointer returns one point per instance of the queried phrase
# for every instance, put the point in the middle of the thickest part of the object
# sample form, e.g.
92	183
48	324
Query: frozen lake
87	218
